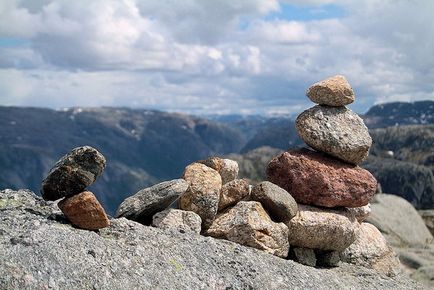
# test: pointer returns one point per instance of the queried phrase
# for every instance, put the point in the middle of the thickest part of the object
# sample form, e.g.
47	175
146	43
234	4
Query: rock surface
145	203
73	173
203	193
337	131
371	250
278	202
232	192
83	210
334	91
399	221
227	168
361	213
304	256
323	229
248	224
181	220
39	252
428	217
315	178
327	258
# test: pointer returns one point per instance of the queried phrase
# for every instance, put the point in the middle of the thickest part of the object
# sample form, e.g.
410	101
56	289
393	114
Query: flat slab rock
39	252
73	173
318	179
337	131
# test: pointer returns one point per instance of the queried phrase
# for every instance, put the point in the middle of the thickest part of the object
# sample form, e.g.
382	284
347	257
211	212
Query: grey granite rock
73	173
304	256
39	250
145	203
327	258
334	91
278	202
337	131
181	220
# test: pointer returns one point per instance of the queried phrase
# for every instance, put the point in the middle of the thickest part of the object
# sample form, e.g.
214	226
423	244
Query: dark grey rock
145	203
337	131
277	202
73	173
327	258
304	256
38	252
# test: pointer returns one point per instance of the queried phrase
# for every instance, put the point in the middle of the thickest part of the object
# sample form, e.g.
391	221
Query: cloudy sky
207	56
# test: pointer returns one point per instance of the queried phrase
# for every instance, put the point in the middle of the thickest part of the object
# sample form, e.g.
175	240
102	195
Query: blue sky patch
306	13
13	42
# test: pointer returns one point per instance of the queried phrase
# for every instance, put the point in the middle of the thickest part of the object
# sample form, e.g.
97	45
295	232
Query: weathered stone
73	173
428	217
327	258
227	168
146	202
278	202
184	221
399	221
337	131
371	250
315	178
84	211
203	194
361	213
248	224
323	229
334	91
304	256
36	249
232	192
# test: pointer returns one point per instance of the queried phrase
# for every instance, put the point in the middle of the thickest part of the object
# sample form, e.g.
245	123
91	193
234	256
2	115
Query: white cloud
218	56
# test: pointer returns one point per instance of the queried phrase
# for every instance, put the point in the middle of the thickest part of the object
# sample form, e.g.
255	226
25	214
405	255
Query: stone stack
68	180
333	192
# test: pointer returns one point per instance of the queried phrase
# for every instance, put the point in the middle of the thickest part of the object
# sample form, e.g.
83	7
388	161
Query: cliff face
40	250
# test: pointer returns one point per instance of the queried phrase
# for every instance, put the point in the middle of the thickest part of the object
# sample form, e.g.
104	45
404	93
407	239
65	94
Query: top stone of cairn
334	91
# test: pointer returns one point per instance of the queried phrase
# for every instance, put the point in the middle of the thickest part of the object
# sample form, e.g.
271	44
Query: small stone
186	221
318	179
278	202
227	168
304	256
334	91
84	211
232	192
247	223
203	194
327	258
372	251
145	203
361	213
346	137
73	173
323	229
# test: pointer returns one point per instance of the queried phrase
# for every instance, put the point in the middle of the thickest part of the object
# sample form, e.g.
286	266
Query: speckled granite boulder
232	192
181	220
334	91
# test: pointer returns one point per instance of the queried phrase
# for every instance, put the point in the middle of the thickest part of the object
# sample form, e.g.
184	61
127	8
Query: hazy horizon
253	57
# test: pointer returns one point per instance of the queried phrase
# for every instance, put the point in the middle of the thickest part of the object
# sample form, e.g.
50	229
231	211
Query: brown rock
337	131
322	229
84	211
227	168
203	194
232	192
371	250
317	179
278	202
248	224
334	91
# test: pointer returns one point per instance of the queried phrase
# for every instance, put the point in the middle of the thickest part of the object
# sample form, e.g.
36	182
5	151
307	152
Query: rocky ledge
41	250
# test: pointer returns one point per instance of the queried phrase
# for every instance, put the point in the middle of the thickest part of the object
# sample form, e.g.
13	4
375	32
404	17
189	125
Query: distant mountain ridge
143	147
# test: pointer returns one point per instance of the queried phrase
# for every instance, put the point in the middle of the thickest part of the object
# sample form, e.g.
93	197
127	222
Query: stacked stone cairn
311	209
68	180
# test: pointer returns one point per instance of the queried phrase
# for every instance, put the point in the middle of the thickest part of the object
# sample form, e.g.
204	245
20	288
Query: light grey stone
184	221
304	256
337	131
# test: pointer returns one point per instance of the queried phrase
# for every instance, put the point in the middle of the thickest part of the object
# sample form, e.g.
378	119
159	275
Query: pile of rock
68	179
333	192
